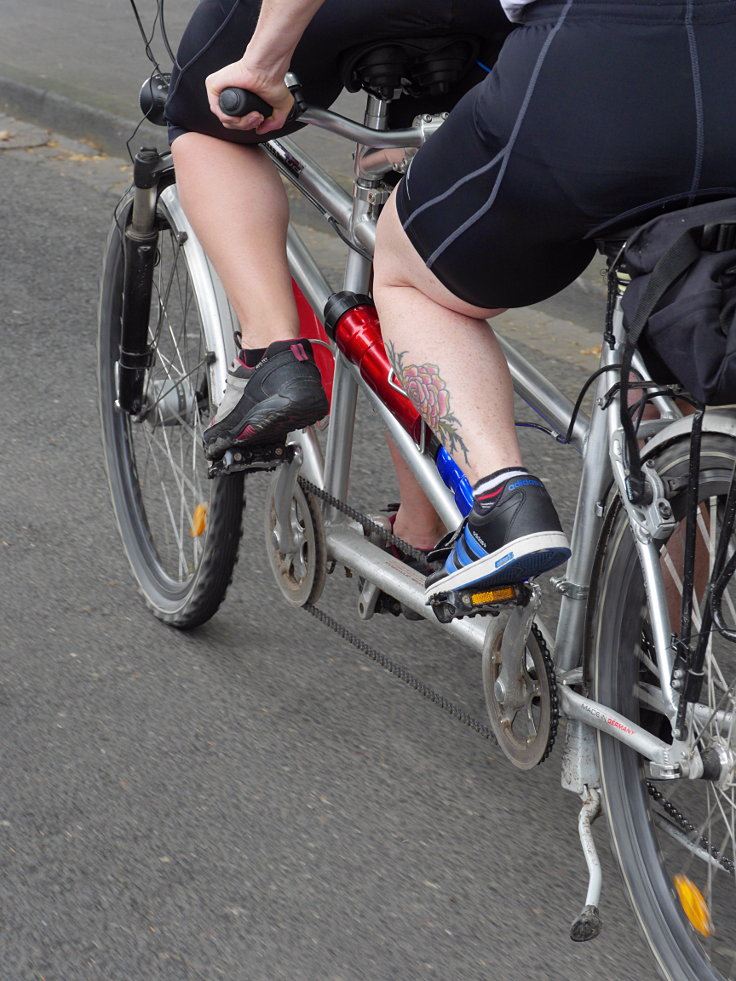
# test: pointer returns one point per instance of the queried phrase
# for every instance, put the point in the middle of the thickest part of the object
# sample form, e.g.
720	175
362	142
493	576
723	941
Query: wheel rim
161	493
669	829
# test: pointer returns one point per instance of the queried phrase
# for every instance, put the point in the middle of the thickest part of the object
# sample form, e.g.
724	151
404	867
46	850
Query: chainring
301	571
523	718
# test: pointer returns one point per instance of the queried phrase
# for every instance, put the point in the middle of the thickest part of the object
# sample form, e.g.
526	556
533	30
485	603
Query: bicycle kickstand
587	924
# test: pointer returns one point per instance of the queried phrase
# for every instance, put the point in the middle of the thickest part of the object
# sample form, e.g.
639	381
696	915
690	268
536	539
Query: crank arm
283	495
513	646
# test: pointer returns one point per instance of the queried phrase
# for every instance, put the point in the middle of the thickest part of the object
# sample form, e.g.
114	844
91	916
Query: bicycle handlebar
239	102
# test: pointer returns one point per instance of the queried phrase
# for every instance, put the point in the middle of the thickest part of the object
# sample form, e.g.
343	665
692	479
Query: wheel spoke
168	510
684	827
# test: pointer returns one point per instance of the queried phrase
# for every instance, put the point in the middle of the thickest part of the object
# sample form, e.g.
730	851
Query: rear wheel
675	840
180	530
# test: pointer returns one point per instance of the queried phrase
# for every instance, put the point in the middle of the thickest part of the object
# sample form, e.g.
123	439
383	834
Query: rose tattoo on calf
426	389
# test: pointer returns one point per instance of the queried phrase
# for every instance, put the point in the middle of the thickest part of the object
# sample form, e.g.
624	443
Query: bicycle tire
180	530
643	831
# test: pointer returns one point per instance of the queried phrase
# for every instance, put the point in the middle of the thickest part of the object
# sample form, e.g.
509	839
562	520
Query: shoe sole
516	562
270	422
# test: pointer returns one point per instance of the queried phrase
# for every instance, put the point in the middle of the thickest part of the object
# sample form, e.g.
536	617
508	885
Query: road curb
74	119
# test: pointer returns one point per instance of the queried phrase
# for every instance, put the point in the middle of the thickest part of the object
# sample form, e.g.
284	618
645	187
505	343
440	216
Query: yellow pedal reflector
199	521
493	596
694	905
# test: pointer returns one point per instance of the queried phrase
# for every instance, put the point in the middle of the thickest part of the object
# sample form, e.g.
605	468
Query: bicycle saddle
412	66
612	234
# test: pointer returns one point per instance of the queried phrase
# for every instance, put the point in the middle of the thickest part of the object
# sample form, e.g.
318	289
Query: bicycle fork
141	250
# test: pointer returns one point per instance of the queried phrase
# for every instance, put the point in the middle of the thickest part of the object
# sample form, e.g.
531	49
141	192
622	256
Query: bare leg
417	522
453	369
446	356
233	196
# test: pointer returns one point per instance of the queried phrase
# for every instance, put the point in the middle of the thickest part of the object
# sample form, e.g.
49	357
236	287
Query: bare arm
265	61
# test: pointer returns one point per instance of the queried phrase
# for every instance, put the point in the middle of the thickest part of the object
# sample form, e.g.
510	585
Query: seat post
376	112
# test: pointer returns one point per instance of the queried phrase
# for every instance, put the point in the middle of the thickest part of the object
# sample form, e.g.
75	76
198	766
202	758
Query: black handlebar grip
239	102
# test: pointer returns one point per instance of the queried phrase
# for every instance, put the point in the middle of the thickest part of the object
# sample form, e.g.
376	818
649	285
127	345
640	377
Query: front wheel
180	530
675	840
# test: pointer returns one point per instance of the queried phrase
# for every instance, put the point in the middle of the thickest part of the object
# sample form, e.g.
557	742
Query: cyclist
595	109
234	198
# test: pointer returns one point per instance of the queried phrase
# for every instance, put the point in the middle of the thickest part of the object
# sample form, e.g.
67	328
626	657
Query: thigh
491	230
577	124
219	31
217	35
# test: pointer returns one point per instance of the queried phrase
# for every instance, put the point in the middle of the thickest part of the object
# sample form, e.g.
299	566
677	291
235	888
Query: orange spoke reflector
199	521
694	905
493	596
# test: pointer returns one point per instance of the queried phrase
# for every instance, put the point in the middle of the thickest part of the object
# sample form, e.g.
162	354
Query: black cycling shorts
593	110
219	31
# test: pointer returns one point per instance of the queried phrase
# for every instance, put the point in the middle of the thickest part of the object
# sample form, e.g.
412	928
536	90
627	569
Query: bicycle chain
403	674
671	809
455	711
690	830
554	698
367	523
398	670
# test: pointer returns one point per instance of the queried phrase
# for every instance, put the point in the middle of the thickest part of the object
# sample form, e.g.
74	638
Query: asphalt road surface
254	800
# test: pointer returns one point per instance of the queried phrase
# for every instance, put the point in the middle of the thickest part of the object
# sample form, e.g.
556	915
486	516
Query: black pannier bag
680	306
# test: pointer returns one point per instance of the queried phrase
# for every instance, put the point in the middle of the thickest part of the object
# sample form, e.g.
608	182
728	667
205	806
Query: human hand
240	75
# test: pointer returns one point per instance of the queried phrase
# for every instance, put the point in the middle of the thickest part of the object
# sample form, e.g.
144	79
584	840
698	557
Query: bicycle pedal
454	604
251	459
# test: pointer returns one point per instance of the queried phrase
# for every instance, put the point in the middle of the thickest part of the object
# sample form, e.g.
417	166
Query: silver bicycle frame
598	441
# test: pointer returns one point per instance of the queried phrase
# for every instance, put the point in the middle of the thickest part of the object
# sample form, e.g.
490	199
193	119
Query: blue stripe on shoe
507	569
450	563
461	553
465	552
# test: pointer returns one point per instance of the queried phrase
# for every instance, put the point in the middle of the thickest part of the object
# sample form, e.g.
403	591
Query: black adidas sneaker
520	537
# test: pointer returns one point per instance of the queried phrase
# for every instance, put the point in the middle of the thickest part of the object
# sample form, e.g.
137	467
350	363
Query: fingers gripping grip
239	102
